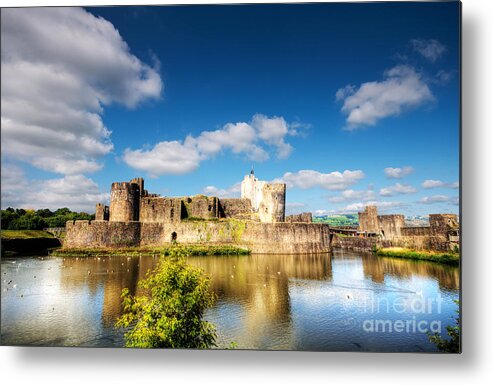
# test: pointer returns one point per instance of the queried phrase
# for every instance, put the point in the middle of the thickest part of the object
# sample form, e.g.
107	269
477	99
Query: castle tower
368	220
125	201
272	206
102	212
268	199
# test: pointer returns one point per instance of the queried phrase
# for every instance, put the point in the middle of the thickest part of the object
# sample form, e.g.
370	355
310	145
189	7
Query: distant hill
338	220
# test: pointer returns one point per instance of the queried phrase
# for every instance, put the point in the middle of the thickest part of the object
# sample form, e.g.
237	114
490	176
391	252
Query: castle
256	221
441	234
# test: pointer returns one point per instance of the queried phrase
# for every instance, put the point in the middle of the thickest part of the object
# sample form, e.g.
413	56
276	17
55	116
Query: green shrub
169	314
451	345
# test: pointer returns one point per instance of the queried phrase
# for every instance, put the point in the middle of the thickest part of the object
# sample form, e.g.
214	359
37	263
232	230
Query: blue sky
348	104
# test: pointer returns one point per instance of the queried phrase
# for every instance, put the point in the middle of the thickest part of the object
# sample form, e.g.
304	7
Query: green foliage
338	220
451	345
449	258
25	234
21	219
169	314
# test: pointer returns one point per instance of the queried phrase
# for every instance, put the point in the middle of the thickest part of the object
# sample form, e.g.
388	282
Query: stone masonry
257	221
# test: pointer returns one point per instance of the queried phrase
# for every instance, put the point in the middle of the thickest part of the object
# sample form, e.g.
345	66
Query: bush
451	345
170	312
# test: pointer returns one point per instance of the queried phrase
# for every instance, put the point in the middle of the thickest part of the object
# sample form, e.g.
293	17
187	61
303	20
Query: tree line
27	219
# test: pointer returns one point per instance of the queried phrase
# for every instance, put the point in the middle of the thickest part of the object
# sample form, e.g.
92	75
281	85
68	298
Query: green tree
169	313
451	345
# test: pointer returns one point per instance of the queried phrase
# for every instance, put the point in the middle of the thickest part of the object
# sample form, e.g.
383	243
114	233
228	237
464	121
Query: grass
449	258
178	249
25	234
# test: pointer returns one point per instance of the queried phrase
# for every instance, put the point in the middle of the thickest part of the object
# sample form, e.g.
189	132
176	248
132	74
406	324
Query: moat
294	302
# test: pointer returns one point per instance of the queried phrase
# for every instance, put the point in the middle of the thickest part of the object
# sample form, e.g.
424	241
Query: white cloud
232	192
433	183
429	48
76	192
353	195
437	199
164	158
398	172
397	189
401	89
60	66
250	139
382	206
336	180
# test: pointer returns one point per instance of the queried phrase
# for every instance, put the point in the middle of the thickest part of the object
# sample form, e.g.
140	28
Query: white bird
420	293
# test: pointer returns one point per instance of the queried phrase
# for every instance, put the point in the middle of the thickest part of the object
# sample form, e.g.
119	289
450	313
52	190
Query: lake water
341	302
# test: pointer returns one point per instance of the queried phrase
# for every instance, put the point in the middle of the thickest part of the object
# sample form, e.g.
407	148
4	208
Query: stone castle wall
160	209
302	217
390	225
269	238
417	231
235	208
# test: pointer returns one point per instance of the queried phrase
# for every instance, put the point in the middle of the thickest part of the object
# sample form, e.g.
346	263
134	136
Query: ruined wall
415	231
124	202
102	212
201	206
95	234
365	244
271	238
239	208
441	224
272	207
368	220
390	225
303	217
160	209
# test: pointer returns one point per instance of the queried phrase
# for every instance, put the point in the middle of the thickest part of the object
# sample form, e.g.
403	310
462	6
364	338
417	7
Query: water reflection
316	302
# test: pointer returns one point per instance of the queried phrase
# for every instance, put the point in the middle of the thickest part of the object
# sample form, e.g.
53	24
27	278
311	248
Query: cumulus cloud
250	139
398	172
433	183
336	180
232	192
353	195
74	191
383	206
60	66
439	199
397	189
401	89
430	49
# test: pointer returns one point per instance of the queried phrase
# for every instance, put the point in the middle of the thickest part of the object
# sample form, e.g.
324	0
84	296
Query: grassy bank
449	258
188	250
25	234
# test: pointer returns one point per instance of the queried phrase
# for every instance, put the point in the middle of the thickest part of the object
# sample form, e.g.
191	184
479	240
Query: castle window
173	237
172	213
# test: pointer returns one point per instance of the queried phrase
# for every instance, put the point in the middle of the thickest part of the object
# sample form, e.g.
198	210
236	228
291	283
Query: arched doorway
173	237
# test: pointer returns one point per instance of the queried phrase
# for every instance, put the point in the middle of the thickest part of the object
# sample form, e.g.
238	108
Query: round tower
124	202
